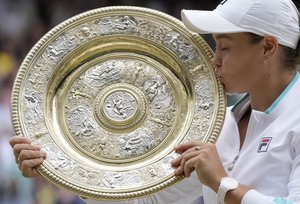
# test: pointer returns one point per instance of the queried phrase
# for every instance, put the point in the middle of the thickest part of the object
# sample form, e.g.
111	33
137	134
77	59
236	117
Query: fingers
27	167
185	159
18	148
188	145
18	140
191	165
30	155
177	161
27	156
19	143
28	160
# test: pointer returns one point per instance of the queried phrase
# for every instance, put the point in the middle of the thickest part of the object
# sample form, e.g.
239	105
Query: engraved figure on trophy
33	78
150	30
79	123
120	105
137	143
164	120
44	67
105	73
136	72
33	114
58	49
99	144
204	94
113	179
158	93
153	172
88	176
54	53
57	158
70	41
138	68
85	33
117	24
179	45
76	94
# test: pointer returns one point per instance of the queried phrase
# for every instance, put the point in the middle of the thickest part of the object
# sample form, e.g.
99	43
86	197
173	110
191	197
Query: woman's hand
27	156
204	159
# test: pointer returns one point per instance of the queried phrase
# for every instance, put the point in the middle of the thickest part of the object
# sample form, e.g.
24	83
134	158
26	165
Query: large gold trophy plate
108	93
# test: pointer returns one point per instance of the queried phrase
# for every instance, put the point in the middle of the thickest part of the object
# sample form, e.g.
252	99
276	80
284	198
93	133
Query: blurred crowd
22	24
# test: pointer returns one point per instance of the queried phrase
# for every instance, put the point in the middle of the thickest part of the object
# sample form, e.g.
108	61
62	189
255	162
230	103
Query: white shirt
268	162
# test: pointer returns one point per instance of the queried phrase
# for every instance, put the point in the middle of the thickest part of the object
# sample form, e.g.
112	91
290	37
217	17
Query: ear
270	46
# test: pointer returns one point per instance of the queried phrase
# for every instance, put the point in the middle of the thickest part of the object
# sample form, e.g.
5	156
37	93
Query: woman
257	156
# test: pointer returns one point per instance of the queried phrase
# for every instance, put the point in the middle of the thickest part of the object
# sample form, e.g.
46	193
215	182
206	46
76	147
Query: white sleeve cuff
254	196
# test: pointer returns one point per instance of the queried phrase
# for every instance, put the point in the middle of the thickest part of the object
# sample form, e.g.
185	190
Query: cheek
237	75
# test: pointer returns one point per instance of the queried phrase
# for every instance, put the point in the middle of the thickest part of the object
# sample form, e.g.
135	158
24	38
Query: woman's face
239	62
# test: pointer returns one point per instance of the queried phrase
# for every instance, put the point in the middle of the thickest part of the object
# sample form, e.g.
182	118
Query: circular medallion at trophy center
120	108
115	106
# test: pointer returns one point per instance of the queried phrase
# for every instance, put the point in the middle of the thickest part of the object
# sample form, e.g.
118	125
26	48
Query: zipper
231	165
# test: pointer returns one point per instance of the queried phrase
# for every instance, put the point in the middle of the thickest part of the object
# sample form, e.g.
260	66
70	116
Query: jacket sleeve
254	196
187	191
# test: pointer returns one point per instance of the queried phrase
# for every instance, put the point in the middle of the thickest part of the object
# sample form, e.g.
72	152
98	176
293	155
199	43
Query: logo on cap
264	144
223	2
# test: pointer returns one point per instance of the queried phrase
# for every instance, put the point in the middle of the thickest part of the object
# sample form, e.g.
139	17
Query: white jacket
269	160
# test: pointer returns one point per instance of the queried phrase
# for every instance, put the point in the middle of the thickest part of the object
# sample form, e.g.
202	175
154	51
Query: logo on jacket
264	144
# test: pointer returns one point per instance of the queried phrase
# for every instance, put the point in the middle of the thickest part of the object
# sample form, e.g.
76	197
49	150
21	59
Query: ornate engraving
137	143
158	93
86	175
151	30
76	94
58	159
116	24
79	122
105	74
120	105
204	93
86	32
180	45
122	180
33	101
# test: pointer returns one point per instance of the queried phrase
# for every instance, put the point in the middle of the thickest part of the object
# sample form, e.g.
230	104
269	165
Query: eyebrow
218	36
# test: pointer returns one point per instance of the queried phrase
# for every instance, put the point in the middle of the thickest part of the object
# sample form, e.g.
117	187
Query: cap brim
205	22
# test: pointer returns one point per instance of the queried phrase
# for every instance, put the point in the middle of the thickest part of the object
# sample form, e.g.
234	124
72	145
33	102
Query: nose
216	60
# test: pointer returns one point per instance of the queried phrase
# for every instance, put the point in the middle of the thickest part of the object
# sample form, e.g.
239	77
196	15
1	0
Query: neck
264	95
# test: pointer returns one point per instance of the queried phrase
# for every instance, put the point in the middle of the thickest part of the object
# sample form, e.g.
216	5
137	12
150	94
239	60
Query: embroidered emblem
264	144
223	2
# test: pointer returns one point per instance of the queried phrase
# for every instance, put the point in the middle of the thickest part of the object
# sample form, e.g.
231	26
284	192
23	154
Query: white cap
279	18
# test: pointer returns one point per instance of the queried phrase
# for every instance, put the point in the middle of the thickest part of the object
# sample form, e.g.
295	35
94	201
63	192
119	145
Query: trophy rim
45	169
